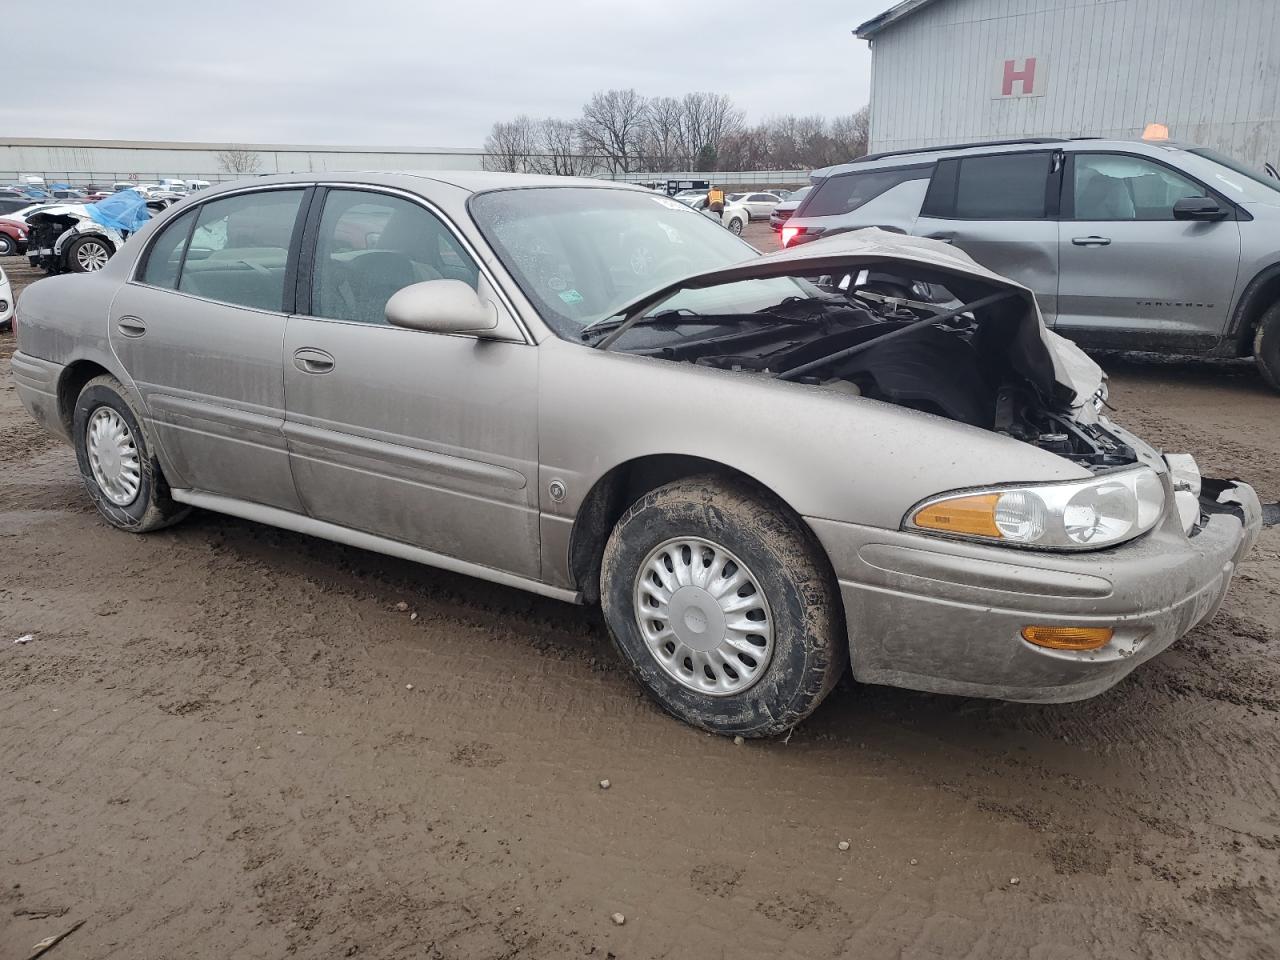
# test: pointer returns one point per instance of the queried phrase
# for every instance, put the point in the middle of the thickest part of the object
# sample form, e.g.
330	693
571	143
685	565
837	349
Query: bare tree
662	145
613	126
510	145
705	120
558	149
622	132
745	150
852	134
239	160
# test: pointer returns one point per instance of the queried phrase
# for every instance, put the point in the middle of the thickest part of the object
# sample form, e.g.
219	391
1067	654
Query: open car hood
1054	365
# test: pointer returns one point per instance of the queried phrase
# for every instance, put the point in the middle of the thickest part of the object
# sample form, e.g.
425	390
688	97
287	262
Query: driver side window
1112	186
370	245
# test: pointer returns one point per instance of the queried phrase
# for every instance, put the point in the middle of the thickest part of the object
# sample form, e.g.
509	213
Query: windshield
582	254
1236	180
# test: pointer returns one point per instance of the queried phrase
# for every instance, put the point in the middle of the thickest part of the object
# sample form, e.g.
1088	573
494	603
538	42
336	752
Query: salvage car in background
760	205
13	237
1131	245
6	301
15	204
761	471
81	238
734	218
782	212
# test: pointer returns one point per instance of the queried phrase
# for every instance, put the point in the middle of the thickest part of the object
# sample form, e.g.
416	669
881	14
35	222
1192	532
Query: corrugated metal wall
1209	69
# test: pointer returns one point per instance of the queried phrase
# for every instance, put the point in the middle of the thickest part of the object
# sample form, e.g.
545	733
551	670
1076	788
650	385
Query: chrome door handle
310	360
131	326
1092	241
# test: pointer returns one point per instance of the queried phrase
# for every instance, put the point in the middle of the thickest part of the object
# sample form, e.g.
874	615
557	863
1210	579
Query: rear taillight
789	234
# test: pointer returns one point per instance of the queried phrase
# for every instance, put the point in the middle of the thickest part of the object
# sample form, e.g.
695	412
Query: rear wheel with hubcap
723	606
117	466
7	246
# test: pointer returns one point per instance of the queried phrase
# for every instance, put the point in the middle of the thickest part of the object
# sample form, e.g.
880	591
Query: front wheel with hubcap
117	466
1266	347
735	227
88	254
723	606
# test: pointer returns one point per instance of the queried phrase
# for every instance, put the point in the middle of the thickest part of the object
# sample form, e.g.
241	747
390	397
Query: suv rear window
846	192
1009	186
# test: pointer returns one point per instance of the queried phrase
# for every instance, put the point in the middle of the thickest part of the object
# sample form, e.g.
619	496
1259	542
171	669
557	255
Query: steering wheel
642	250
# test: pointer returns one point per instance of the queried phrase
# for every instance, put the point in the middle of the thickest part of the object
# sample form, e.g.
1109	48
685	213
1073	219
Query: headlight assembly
1078	515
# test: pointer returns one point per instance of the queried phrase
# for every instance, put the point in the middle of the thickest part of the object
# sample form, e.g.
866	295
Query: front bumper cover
946	616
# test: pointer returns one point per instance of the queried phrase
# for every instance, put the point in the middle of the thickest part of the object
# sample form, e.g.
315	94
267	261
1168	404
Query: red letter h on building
1027	75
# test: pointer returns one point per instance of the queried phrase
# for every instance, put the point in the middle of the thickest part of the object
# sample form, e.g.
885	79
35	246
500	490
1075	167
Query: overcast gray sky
426	73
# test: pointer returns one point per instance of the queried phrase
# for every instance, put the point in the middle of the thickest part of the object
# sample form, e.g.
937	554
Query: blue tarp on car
125	211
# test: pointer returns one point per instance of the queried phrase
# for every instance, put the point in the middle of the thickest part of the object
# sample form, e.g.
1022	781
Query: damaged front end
918	324
82	238
892	318
53	231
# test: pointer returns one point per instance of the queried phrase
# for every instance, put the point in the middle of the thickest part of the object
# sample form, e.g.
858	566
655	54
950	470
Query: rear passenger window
164	259
371	245
240	249
1007	187
846	192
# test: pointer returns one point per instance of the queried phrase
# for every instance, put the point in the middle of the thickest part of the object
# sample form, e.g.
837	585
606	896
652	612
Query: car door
1001	209
424	438
1130	273
199	330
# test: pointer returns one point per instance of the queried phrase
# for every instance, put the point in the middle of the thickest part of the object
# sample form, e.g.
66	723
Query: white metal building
950	71
81	161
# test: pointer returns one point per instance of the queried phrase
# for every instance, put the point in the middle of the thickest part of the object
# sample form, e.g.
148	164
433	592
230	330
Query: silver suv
1127	244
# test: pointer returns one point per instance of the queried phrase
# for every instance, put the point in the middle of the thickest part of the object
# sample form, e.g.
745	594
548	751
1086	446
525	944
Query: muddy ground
210	749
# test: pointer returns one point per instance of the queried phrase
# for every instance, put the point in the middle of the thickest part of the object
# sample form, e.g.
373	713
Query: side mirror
441	306
1198	208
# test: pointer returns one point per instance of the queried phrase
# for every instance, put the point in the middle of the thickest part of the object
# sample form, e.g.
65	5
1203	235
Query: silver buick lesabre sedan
868	450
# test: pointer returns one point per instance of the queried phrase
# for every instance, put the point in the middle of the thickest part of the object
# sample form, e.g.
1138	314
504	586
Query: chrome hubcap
92	256
703	616
113	456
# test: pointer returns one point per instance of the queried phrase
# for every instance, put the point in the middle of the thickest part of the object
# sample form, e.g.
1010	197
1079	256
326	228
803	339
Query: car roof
924	156
470	181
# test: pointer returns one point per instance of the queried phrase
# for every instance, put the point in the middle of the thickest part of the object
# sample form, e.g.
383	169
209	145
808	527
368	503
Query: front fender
825	453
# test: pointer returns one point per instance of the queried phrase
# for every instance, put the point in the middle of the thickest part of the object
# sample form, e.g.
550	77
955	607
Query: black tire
1266	347
8	246
735	226
152	508
72	256
810	648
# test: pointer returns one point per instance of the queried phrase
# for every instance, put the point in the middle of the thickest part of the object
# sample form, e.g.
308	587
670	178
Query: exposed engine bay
962	350
51	231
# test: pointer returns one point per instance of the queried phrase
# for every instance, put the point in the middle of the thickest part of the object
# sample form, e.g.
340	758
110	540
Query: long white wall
105	159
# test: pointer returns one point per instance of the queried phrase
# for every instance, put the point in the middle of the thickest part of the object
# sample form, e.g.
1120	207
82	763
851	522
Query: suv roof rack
957	146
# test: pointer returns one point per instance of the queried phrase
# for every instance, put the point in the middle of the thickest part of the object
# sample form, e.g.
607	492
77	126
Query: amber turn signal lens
972	516
1068	638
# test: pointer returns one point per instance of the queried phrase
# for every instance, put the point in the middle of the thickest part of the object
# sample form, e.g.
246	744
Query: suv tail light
793	235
